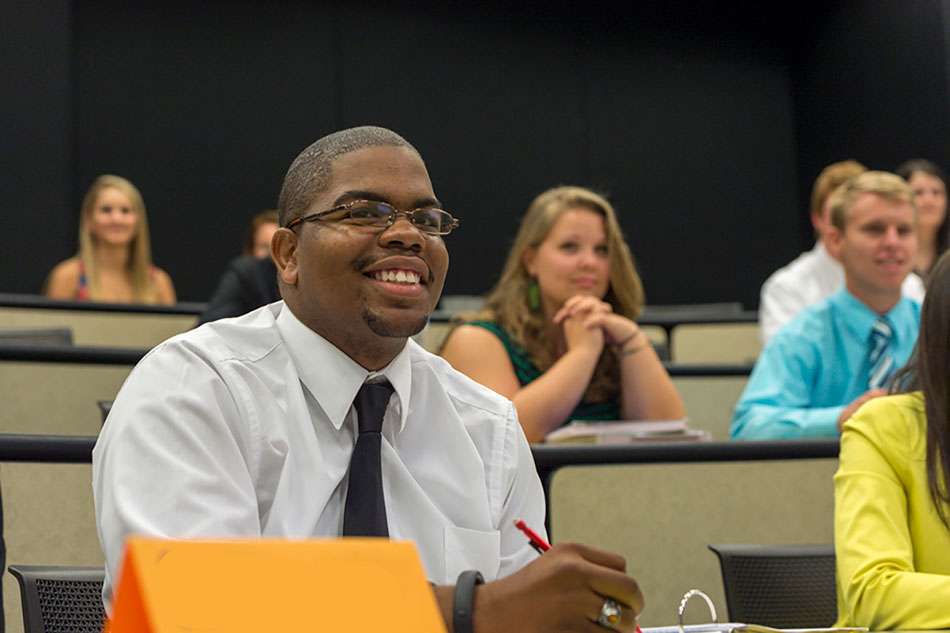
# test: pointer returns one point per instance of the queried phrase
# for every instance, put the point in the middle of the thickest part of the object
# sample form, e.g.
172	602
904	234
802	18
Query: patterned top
82	291
527	371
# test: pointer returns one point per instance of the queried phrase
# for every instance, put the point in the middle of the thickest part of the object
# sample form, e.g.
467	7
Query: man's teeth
397	276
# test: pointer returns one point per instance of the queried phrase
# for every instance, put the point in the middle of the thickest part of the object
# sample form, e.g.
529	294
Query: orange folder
352	585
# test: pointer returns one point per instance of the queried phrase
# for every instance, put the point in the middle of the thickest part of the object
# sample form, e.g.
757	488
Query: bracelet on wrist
462	600
636	347
622	343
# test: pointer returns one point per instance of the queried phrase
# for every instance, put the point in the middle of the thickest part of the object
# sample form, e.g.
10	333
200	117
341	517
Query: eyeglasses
380	214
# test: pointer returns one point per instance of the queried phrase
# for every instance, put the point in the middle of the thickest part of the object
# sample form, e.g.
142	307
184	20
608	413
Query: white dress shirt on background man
812	276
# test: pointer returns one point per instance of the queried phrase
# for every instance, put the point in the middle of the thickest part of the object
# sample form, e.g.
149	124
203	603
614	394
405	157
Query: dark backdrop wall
871	82
705	122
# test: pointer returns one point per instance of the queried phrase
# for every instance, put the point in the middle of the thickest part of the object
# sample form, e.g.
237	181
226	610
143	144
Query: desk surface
11	300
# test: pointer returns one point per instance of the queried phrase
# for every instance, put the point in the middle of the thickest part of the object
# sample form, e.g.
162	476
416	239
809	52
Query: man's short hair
883	183
830	178
310	173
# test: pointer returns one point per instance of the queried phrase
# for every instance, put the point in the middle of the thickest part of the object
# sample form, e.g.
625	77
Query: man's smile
398	270
396	275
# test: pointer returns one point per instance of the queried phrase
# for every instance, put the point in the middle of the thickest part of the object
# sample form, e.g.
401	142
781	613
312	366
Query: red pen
539	543
536	541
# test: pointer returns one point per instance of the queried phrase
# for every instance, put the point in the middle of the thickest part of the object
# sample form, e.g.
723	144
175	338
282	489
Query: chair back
105	406
60	599
782	586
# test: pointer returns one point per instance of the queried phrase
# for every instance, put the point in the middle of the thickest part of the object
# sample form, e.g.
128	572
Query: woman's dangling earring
534	296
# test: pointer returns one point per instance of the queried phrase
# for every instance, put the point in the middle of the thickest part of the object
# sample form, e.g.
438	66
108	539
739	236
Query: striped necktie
881	361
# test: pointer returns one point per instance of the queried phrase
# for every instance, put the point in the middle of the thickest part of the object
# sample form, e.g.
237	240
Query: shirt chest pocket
471	549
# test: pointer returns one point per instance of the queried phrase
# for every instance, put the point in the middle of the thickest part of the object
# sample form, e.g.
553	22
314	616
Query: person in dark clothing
247	284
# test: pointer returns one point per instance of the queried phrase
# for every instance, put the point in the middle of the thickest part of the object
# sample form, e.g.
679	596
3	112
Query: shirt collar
332	377
859	318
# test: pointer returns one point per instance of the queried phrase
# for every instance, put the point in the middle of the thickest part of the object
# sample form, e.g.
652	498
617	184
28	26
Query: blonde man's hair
885	184
830	178
140	252
507	303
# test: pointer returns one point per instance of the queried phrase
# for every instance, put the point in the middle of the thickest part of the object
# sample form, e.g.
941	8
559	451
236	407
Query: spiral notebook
731	627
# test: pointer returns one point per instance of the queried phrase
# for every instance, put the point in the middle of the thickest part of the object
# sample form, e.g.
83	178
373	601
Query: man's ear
283	249
834	241
527	259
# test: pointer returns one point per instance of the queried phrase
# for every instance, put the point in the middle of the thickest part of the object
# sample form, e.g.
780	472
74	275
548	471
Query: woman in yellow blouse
892	488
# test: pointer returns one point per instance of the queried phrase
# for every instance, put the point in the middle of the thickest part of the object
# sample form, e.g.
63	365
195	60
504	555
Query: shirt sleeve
174	446
873	544
778	304
523	499
913	288
776	403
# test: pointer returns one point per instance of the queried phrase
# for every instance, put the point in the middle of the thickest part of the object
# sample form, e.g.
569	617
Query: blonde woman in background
557	335
114	263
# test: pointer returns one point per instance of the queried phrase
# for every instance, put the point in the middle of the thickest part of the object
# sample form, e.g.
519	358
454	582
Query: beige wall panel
655	333
107	329
48	519
716	343
661	517
710	401
56	398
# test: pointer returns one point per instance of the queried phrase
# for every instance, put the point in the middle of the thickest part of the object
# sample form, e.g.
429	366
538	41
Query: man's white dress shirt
809	278
245	427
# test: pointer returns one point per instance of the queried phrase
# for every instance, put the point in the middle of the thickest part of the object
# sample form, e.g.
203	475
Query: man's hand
856	404
563	590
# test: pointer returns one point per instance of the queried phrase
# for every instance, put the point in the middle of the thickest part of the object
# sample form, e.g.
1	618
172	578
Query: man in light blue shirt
820	367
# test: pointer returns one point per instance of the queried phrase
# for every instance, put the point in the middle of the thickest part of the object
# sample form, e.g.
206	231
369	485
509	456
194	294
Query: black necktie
365	511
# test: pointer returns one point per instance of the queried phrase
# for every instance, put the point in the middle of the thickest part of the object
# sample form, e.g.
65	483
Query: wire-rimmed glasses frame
377	214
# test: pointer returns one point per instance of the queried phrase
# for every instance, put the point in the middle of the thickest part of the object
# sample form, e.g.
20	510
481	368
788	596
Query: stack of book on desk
625	432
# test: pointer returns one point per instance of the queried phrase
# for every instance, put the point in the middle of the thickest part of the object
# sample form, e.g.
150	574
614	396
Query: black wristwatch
462	600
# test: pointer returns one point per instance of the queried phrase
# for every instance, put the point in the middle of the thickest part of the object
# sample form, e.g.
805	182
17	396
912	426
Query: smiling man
317	416
838	353
815	274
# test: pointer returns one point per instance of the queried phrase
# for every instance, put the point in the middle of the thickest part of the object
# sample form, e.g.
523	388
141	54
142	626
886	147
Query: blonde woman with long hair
558	333
114	263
